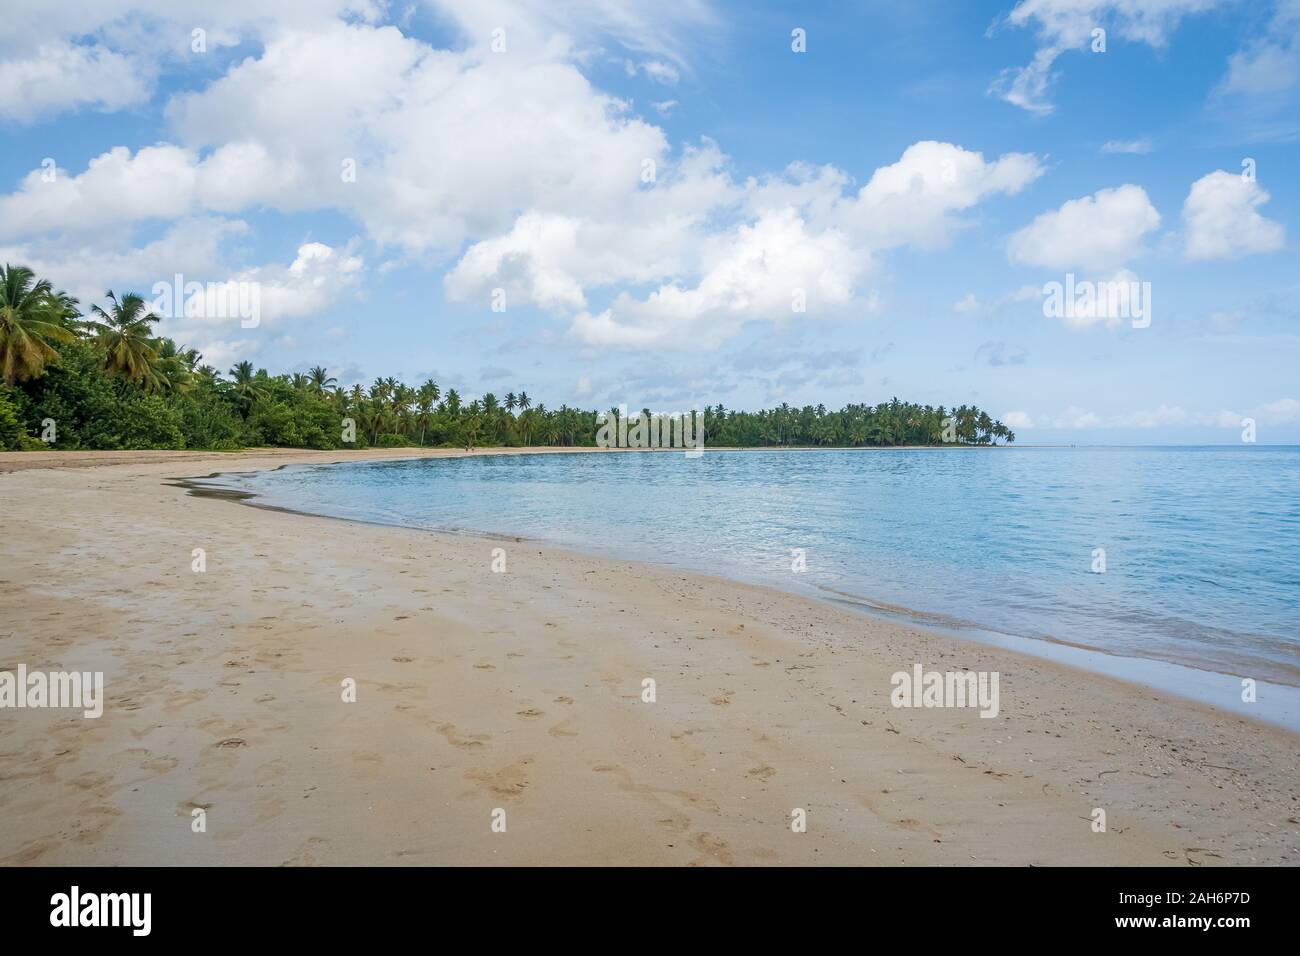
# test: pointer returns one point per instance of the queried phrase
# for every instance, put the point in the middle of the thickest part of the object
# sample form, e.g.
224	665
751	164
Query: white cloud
1101	231
551	259
800	234
1284	411
660	30
657	70
504	133
64	75
85	268
223	353
751	274
1066	25
1015	420
1221	220
1137	147
1271	63
319	277
912	201
316	279
966	304
538	178
107	54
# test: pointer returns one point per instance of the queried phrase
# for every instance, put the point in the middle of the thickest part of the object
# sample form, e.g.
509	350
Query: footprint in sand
463	741
761	773
713	847
531	713
509	782
29	853
722	699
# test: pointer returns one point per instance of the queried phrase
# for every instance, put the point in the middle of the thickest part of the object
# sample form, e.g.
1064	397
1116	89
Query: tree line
102	379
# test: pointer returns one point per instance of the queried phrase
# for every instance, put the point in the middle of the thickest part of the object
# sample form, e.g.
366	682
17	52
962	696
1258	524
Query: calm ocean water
1202	545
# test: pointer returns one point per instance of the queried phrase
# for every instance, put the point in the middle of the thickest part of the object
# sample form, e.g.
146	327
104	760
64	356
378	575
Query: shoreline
522	691
1278	706
26	460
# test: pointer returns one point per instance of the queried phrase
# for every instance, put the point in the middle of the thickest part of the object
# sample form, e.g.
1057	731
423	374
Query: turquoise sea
1202	545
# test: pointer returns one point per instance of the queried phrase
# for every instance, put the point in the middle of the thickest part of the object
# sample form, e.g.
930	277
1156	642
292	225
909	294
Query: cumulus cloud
1101	231
1221	219
316	279
504	133
754	273
913	201
319	277
64	75
542	184
108	54
802	238
163	182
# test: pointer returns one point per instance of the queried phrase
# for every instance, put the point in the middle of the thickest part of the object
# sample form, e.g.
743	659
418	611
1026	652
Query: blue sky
916	176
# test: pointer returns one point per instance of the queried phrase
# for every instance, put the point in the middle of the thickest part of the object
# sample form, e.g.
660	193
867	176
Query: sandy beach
522	691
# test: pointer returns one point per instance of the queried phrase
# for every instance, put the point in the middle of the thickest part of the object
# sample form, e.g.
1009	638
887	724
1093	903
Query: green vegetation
108	382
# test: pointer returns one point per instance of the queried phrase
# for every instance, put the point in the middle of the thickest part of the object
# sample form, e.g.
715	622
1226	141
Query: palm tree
319	380
32	317
126	339
248	387
425	396
470	431
403	398
174	370
524	401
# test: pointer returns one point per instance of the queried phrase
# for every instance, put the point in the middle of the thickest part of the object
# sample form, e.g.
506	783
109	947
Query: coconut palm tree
319	380
425	396
32	318
125	338
403	398
174	370
471	430
249	388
